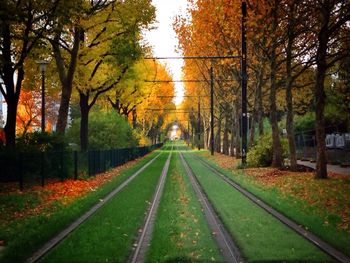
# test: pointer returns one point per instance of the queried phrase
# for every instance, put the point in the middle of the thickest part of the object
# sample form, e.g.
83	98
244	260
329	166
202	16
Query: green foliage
126	49
304	123
40	142
261	154
107	130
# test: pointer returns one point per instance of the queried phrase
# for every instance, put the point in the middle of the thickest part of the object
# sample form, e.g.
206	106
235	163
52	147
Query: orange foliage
54	192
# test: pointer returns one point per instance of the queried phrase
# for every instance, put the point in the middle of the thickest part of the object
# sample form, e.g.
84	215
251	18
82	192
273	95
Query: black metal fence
36	168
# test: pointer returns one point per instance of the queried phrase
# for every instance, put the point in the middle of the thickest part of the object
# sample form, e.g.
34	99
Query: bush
261	154
41	142
107	130
304	123
34	151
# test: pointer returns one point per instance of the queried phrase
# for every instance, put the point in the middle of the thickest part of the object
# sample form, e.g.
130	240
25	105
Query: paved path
330	168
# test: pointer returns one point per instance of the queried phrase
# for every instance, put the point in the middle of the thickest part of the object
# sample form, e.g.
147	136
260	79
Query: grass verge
260	237
315	204
26	234
108	235
180	231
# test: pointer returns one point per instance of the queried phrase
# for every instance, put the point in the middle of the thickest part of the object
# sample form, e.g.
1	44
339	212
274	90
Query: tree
331	18
23	25
112	46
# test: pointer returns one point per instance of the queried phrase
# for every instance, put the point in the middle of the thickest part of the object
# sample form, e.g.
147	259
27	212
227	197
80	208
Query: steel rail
64	233
139	253
228	249
328	249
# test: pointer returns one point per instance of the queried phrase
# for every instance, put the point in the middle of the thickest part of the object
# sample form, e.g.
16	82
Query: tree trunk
276	143
84	122
134	118
321	62
237	129
225	139
218	136
289	95
66	77
10	127
12	90
260	109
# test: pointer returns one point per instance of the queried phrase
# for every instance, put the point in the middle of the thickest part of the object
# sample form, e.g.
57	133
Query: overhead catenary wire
195	57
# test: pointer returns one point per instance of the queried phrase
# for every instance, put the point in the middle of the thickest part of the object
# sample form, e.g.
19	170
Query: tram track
143	240
318	242
53	242
226	245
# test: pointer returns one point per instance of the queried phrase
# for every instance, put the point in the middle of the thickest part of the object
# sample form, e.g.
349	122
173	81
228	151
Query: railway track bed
179	208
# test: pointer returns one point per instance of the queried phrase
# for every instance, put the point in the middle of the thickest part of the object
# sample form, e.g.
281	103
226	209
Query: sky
164	41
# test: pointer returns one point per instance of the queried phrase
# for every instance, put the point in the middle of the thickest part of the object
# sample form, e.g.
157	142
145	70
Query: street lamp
42	67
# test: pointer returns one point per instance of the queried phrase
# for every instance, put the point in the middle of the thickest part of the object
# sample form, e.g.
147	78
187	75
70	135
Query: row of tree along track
179	208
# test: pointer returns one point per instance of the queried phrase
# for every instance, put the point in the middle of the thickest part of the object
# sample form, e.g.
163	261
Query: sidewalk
330	168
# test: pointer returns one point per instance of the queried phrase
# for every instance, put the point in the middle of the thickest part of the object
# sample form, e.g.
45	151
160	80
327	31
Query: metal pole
211	111
43	101
199	122
244	84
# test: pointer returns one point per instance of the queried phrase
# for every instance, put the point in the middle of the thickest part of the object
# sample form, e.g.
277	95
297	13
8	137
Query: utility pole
244	84
211	110
199	122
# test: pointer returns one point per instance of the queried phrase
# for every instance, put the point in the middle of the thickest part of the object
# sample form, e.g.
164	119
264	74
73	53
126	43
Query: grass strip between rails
294	209
29	234
260	237
180	232
108	235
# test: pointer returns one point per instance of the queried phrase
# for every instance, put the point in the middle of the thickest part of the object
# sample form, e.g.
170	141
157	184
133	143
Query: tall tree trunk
237	128
260	109
84	121
12	90
225	146
218	135
289	95
232	144
276	143
256	107
252	129
134	118
10	127
321	62
205	133
66	75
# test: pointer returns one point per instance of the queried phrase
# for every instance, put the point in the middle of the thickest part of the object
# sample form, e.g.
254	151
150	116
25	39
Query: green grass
109	234
260	237
24	236
180	232
297	210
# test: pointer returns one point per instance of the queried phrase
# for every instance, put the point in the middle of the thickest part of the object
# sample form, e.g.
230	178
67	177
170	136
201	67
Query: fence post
75	165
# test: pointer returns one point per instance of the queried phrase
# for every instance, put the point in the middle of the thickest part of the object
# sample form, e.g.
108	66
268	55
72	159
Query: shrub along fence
31	168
